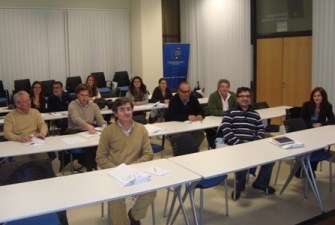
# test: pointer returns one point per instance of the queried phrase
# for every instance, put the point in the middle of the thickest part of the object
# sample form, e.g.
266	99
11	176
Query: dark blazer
325	116
177	111
157	95
56	104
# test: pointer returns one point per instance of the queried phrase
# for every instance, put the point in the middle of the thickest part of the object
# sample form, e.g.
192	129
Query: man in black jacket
184	106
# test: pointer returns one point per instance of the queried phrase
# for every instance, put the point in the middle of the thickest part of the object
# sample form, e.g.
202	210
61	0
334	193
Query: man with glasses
24	123
125	141
240	125
184	106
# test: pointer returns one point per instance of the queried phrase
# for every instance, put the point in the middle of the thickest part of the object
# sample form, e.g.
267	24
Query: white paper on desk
35	141
158	104
44	114
192	122
296	144
152	128
86	134
157	171
73	140
127	175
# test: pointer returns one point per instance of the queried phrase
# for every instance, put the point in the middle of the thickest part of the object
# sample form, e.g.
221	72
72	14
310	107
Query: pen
155	169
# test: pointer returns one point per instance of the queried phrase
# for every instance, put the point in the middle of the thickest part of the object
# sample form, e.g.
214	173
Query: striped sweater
240	126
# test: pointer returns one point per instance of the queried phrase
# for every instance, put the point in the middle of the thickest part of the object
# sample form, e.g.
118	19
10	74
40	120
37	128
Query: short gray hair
18	94
223	81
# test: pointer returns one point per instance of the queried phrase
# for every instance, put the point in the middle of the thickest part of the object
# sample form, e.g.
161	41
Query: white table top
239	157
66	192
273	112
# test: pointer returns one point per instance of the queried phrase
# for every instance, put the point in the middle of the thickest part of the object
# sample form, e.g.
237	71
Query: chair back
183	144
23	171
100	79
122	78
22	85
293	112
296	124
260	105
140	119
72	83
47	87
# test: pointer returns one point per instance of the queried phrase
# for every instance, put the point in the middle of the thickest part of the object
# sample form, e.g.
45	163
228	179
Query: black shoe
268	190
132	220
238	194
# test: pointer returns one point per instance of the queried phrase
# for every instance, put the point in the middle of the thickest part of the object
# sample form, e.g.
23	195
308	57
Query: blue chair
101	82
71	152
185	144
155	147
269	128
50	219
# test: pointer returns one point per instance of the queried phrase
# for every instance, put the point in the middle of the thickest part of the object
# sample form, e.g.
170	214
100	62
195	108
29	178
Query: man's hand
91	129
25	139
40	135
199	117
192	118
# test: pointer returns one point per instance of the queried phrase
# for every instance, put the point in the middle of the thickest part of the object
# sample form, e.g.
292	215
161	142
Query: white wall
84	4
324	47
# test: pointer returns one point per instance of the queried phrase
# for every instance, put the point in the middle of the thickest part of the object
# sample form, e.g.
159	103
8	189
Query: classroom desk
239	157
66	192
272	112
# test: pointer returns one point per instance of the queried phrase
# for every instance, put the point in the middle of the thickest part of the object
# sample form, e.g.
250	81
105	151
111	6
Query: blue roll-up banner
175	63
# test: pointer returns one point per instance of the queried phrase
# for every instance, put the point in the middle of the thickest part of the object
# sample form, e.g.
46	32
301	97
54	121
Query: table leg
302	160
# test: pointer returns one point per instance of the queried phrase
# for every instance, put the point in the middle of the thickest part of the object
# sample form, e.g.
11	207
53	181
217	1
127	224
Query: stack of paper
152	128
158	104
127	175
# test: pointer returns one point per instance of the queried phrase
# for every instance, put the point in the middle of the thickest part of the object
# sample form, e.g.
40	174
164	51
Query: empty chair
155	147
71	84
47	87
22	85
24	171
123	82
101	82
294	112
4	96
185	144
269	128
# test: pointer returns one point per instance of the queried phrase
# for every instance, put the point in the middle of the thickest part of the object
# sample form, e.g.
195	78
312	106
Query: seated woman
137	92
161	94
93	89
37	97
317	112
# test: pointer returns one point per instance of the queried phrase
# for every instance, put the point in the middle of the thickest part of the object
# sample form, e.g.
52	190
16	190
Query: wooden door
297	70
269	71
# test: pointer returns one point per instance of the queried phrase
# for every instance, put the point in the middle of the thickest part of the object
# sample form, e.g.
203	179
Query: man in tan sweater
125	141
23	123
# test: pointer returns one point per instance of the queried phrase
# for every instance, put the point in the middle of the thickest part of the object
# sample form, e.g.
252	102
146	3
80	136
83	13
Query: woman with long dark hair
137	92
317	112
37	97
93	88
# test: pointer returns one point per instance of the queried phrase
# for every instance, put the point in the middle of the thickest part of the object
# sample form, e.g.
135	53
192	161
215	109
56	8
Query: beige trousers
119	214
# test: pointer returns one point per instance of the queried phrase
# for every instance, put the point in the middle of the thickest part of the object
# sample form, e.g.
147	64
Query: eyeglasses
25	102
244	96
123	110
185	92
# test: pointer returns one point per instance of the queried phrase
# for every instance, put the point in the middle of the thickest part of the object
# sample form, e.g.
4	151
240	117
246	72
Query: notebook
283	140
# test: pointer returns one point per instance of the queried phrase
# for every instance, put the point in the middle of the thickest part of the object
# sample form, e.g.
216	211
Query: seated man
82	115
127	142
59	100
243	124
218	103
23	123
184	106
